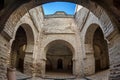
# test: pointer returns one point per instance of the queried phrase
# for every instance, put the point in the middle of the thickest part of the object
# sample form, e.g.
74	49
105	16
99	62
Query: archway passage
22	49
18	49
59	58
96	50
100	51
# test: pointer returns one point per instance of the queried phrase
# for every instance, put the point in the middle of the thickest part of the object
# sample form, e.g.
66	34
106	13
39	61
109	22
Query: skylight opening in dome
51	8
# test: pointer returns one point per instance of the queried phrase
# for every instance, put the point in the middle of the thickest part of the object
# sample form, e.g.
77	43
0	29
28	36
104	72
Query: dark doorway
100	51
20	65
1	4
97	65
59	58
59	64
48	65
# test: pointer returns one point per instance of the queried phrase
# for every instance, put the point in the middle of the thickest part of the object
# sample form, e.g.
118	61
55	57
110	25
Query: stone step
37	78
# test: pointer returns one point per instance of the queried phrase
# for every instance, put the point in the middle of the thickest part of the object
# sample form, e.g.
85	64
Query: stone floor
21	76
103	75
57	79
59	75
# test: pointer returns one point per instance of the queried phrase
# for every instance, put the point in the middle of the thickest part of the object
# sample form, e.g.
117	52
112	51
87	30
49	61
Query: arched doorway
59	56
100	51
22	49
18	49
96	50
59	64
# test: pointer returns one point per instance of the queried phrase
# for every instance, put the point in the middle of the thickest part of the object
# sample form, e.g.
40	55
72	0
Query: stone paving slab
21	76
98	76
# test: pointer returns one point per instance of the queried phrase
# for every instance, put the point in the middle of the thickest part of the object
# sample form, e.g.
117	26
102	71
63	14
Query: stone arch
92	6
92	49
66	43
28	47
9	22
30	36
90	33
60	61
101	52
18	50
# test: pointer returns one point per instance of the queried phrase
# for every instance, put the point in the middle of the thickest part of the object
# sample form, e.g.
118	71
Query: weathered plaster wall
84	19
58	29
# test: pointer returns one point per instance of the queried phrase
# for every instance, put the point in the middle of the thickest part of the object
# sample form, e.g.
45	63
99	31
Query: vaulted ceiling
112	7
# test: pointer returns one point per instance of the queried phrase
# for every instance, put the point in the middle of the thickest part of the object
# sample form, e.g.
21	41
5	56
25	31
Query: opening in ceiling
53	7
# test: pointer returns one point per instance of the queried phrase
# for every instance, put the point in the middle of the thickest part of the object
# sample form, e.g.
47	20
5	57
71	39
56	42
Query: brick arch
17	14
18	46
97	10
72	53
91	46
90	33
28	48
88	38
29	34
66	43
102	19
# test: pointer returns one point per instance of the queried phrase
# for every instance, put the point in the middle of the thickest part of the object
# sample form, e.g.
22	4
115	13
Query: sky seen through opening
51	8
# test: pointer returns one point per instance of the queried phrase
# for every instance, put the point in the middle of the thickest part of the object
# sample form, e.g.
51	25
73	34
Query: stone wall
31	26
101	16
3	57
59	29
111	34
35	23
86	32
114	51
66	63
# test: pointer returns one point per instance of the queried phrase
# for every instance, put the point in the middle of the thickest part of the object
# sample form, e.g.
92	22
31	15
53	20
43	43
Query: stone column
89	67
28	64
79	66
43	66
89	60
40	68
37	67
76	67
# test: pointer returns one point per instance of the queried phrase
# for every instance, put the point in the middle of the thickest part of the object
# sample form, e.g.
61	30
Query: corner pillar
40	68
28	64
